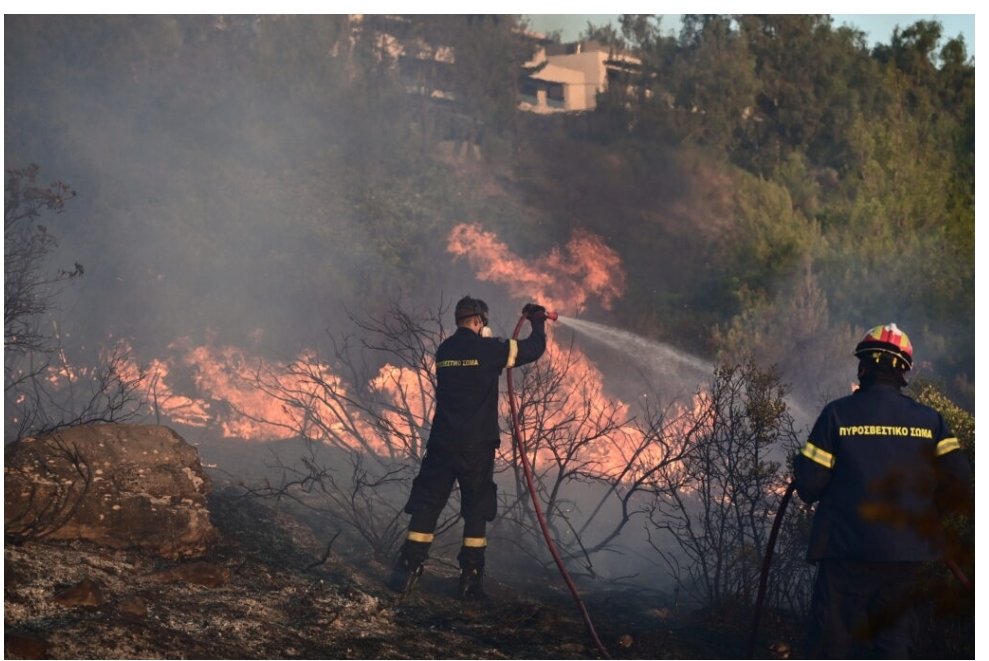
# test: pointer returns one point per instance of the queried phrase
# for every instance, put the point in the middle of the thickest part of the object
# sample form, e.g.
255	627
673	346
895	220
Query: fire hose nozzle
534	312
547	314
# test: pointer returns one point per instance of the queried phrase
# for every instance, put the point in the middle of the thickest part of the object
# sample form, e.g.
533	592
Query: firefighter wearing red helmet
882	469
463	440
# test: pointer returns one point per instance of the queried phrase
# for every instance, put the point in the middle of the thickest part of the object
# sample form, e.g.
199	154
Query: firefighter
883	469
463	440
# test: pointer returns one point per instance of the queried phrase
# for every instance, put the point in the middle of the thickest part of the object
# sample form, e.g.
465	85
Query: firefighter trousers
862	610
472	468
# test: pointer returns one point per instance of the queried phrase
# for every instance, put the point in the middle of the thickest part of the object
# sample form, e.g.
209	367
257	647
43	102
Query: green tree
713	81
900	245
813	80
606	35
794	333
770	239
478	59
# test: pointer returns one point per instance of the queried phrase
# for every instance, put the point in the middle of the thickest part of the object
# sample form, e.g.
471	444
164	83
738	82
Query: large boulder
121	486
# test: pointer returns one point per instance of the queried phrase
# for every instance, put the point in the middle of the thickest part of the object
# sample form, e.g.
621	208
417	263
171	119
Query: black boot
405	575
471	584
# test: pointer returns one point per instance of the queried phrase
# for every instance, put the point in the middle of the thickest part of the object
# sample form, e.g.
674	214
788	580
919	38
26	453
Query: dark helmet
469	307
889	344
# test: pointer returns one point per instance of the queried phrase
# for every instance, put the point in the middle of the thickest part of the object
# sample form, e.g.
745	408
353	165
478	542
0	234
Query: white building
568	77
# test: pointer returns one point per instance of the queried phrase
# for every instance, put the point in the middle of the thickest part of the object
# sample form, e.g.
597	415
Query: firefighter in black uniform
463	440
883	469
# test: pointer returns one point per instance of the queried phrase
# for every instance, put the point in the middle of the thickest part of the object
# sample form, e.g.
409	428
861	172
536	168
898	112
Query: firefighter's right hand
533	312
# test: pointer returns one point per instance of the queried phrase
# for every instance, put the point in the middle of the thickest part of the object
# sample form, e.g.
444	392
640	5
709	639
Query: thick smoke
201	210
216	209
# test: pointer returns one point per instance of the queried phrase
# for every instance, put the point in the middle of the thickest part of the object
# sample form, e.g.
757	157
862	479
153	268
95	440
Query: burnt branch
579	441
30	286
49	391
375	421
326	553
718	518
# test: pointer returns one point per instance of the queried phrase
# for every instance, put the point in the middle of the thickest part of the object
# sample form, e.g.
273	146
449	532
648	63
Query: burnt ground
266	592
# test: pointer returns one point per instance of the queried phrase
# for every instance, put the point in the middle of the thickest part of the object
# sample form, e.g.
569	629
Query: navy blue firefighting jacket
877	460
467	371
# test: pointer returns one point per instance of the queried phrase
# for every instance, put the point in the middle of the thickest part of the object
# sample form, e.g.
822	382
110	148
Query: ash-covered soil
266	591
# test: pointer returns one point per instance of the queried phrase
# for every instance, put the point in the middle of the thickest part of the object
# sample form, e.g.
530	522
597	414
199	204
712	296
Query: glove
534	312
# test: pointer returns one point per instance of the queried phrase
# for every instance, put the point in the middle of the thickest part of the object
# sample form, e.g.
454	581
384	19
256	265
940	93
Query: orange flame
560	280
247	398
582	416
410	406
184	410
567	279
241	396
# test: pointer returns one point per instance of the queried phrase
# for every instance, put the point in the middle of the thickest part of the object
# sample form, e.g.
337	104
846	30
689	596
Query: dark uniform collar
879	386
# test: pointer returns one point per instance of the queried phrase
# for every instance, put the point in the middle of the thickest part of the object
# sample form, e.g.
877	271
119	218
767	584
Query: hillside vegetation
772	185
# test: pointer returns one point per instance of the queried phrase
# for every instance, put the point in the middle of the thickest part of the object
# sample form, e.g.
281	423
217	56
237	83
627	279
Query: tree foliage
949	607
853	161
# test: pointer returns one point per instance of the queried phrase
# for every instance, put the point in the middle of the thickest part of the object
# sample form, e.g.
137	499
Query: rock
120	486
133	609
19	645
84	593
10	574
197	573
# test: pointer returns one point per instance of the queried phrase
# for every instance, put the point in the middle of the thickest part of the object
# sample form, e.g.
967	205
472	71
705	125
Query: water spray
530	483
661	359
679	371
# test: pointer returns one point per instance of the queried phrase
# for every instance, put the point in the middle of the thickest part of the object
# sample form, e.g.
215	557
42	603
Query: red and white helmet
887	340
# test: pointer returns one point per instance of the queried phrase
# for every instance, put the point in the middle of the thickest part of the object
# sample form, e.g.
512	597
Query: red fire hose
766	563
527	469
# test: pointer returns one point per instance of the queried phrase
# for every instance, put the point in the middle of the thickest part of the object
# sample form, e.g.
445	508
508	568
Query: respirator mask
485	329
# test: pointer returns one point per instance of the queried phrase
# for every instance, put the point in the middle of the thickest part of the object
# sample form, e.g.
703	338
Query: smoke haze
251	182
248	186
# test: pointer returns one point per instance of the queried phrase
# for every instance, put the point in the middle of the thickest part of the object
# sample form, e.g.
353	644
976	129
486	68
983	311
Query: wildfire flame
185	410
239	395
567	279
582	415
245	397
561	280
